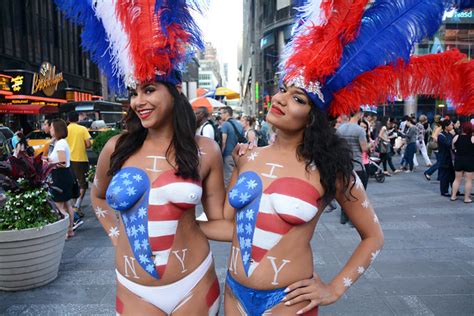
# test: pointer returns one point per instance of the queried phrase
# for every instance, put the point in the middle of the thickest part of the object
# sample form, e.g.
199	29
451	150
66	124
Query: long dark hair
183	144
329	152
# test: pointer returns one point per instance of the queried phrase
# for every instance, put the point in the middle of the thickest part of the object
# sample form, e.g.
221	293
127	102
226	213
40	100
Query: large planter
30	258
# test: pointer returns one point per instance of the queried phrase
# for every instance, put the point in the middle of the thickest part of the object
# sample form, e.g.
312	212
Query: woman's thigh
203	299
127	303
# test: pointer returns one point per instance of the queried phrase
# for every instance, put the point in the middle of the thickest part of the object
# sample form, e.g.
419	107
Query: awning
27	109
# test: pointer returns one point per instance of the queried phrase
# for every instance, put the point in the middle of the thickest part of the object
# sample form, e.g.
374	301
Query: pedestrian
356	137
420	139
385	146
446	168
79	141
410	150
205	126
232	134
463	146
433	146
370	145
157	171
248	124
62	175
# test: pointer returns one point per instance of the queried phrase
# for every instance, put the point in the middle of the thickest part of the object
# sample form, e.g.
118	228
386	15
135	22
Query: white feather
310	15
122	62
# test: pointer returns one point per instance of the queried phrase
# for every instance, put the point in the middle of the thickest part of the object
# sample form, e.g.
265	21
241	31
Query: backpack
240	138
262	139
217	132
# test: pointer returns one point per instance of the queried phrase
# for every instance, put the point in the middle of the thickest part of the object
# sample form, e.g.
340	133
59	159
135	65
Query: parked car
38	139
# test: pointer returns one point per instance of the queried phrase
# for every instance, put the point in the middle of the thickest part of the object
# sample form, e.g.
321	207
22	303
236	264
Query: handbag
382	147
432	144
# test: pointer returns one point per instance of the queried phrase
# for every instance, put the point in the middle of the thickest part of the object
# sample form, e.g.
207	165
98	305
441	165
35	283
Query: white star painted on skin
133	218
366	204
136	245
141	212
233	193
240	229
244	197
124	204
125	175
251	184
114	232
252	156
131	191
242	242
137	178
127	182
141	229
116	190
246	257
360	270
129	232
249	214
143	259
145	243
241	180
347	282
114	206
134	232
374	255
240	216
376	219
99	212
248	243
150	268
248	229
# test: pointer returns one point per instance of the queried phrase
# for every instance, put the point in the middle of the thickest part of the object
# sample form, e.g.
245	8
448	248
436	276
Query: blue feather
94	37
389	31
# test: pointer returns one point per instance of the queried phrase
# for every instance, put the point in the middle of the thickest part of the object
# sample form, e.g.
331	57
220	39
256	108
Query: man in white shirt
205	127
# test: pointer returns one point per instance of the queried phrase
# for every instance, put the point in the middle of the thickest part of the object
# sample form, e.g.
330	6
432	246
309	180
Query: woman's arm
251	136
361	213
216	228
103	212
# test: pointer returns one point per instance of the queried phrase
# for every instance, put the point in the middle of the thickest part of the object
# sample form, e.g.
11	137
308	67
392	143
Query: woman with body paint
150	178
341	56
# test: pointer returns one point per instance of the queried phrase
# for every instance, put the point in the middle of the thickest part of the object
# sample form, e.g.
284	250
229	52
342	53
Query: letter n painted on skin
233	260
277	270
130	265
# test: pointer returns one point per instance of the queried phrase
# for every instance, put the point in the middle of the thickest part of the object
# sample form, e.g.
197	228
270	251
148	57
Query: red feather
445	75
319	50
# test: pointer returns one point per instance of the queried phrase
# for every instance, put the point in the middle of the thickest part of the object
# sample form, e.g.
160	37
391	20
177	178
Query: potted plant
32	230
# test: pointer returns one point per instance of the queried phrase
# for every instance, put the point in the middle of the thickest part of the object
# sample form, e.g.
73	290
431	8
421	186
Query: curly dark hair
183	144
329	152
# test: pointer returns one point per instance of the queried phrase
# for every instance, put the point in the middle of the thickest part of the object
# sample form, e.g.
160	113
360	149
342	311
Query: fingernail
286	290
284	299
299	312
287	303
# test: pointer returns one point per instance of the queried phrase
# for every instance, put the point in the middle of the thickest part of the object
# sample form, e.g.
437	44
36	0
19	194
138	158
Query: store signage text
46	80
17	82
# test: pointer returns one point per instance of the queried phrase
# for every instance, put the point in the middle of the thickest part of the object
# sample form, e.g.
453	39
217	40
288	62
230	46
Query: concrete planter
30	258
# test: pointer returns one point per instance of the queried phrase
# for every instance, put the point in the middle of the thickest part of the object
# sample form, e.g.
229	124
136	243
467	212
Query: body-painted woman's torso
277	205
159	241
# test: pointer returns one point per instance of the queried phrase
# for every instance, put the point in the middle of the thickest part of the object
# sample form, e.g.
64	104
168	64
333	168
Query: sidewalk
426	267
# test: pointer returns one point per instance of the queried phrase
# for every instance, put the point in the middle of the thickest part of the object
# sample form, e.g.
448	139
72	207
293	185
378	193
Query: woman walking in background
433	146
385	145
463	146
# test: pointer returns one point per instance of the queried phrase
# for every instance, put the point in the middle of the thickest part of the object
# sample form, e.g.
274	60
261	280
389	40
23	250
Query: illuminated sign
46	80
5	84
459	17
17	83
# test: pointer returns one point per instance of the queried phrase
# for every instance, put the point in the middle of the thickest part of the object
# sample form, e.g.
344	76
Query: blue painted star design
129	191
245	198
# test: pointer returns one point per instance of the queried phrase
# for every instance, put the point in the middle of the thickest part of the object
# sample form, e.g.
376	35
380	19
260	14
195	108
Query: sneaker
398	171
408	171
427	176
77	222
78	211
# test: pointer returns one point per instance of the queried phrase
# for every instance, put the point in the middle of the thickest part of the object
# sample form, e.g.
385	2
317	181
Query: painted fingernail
286	290
284	299
299	312
287	303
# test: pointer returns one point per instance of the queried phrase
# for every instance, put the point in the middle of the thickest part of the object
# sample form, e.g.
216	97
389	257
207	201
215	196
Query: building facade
209	69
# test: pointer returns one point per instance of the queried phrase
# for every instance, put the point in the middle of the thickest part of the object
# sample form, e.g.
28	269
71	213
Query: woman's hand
312	290
241	149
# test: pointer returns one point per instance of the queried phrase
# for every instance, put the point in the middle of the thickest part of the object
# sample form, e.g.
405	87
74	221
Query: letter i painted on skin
155	162
277	270
270	175
181	258
233	260
131	266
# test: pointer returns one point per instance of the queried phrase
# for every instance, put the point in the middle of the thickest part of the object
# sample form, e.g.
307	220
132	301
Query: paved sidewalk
426	267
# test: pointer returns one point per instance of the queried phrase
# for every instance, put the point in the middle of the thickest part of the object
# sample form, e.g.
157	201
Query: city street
425	268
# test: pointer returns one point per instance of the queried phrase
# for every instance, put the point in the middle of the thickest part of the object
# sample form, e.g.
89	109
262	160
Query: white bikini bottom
168	297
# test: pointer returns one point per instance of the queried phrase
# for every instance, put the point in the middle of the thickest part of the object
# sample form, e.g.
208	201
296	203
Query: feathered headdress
343	55
137	40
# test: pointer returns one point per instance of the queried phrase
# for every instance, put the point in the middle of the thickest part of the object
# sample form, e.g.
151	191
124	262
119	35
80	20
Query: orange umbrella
201	91
208	103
